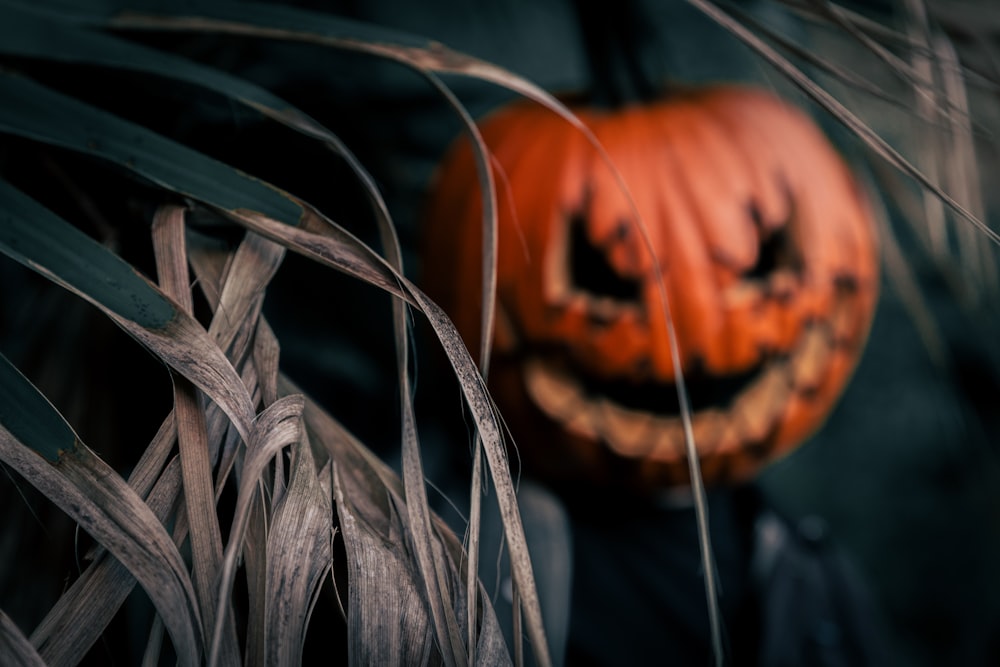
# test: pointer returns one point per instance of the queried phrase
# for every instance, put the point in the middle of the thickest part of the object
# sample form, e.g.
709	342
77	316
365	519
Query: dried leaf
15	648
380	577
299	557
276	427
102	503
83	612
192	437
37	238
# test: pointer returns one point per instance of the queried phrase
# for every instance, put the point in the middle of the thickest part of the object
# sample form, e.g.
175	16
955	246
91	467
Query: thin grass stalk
15	648
963	175
837	109
192	436
488	277
930	146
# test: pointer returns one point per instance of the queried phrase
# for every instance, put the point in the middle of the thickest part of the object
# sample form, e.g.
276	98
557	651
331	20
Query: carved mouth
643	420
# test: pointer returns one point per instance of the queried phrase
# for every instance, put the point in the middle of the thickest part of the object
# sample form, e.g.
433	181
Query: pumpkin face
763	240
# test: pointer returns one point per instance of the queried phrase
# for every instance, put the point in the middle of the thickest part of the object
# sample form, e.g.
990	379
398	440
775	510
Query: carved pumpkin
765	243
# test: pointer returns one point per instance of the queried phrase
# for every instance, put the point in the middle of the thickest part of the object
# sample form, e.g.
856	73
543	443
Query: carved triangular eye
590	271
777	249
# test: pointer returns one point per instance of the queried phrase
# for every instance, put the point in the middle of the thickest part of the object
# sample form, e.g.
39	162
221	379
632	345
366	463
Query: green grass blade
36	112
34	236
29	416
29	34
97	498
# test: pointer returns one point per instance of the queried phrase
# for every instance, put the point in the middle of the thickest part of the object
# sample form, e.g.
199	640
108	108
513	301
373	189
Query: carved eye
776	252
589	268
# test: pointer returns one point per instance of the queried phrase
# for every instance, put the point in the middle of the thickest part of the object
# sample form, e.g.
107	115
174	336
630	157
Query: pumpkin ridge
696	307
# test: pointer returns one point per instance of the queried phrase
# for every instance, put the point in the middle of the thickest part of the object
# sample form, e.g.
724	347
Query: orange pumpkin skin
764	241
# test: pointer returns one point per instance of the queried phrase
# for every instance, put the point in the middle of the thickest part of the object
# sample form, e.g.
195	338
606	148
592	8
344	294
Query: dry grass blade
847	76
380	576
850	120
63	254
95	496
488	313
374	494
15	648
487	424
316	241
254	264
192	436
66	633
255	566
276	427
299	557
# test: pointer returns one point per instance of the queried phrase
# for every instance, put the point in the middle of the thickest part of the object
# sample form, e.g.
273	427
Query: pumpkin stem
613	36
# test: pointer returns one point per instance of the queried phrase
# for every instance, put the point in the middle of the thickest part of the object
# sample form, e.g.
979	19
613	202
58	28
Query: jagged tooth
583	420
628	432
555	393
728	438
667	434
810	360
757	408
708	426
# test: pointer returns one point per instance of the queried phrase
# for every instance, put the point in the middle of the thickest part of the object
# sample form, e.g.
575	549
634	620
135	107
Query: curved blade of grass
83	612
380	578
424	541
276	427
31	35
36	112
15	648
375	491
94	495
170	250
35	237
488	279
299	557
65	633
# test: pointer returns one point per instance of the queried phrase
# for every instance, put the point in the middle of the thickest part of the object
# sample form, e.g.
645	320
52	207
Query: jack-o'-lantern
760	232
